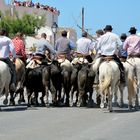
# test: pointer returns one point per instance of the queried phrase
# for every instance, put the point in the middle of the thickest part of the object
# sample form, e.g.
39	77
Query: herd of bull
62	79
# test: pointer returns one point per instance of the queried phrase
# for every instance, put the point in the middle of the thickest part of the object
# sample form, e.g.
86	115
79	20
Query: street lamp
0	18
54	30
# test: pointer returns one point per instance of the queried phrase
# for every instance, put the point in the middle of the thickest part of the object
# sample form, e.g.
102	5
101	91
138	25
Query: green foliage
26	25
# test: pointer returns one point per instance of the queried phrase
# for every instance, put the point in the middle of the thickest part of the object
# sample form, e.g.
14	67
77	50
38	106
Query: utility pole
12	8
83	20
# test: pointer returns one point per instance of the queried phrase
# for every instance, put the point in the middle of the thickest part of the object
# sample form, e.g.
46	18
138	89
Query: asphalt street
68	123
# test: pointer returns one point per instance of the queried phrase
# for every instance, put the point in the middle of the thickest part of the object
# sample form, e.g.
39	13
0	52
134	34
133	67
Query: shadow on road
6	108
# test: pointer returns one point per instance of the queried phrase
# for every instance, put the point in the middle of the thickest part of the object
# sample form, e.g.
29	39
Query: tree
27	25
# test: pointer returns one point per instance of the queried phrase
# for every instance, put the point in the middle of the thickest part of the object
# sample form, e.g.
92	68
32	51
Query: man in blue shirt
64	46
42	45
84	46
122	53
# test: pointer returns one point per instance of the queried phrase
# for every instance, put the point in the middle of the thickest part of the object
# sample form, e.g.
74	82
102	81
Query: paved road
20	123
38	123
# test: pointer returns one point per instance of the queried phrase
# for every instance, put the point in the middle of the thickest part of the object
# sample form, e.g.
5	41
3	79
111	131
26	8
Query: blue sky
121	14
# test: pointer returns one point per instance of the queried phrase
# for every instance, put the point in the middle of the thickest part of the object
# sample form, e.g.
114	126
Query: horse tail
105	82
132	86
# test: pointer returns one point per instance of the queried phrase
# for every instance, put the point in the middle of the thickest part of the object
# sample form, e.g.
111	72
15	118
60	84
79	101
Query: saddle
132	56
35	62
61	58
21	58
79	60
120	65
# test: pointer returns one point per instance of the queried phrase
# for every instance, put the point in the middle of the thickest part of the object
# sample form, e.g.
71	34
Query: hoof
90	104
130	107
136	108
19	102
67	105
12	103
102	105
5	102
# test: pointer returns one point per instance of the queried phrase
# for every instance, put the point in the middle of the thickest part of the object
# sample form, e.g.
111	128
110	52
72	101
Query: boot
122	77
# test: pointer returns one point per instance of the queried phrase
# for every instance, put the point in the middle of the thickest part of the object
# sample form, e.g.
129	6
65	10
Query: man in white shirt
109	45
7	49
84	45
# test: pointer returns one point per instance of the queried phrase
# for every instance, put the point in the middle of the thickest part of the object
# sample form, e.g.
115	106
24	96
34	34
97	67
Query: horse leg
121	89
71	96
102	100
82	99
137	100
77	94
12	101
47	95
29	93
115	98
5	102
36	98
42	98
79	99
90	100
110	94
59	96
131	92
21	96
67	98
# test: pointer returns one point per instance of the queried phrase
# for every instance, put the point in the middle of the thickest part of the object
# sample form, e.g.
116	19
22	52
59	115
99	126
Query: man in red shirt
19	46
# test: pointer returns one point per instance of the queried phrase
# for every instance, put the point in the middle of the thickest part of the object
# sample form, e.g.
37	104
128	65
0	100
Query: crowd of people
29	3
107	44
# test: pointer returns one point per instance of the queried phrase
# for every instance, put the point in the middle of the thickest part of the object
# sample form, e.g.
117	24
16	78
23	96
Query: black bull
42	79
52	78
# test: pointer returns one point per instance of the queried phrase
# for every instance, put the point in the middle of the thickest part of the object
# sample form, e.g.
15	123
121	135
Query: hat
132	29
108	28
84	34
100	32
123	36
64	33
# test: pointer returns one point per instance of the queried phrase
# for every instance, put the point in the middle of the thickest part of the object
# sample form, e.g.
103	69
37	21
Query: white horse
5	79
109	78
133	66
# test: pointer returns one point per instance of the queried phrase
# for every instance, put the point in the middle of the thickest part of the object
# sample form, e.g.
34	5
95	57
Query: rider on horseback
123	53
64	47
132	43
7	48
108	46
43	47
19	46
84	45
